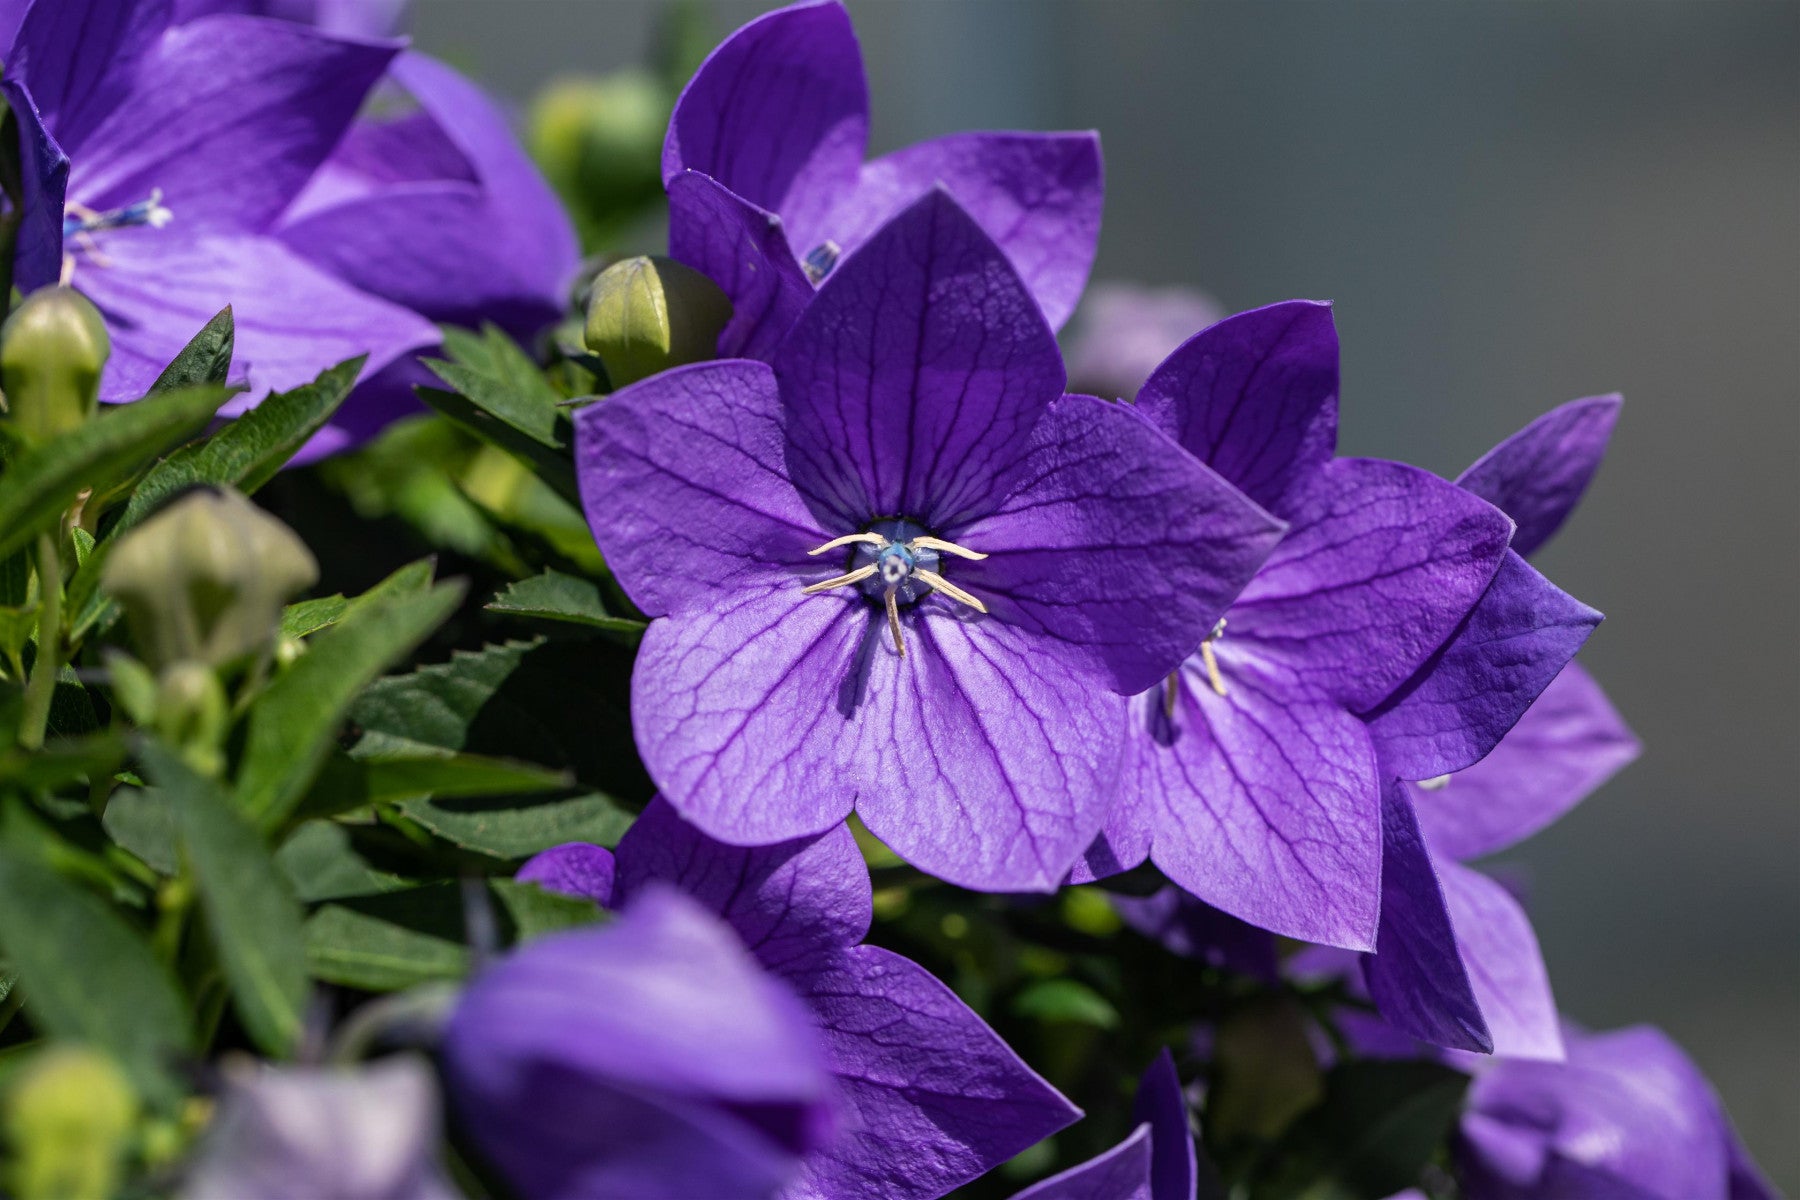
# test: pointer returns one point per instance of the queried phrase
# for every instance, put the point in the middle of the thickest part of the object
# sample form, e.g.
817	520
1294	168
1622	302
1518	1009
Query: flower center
81	223
896	561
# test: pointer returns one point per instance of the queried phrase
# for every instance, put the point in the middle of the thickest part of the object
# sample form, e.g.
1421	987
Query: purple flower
650	1058
901	572
172	169
768	188
1156	1162
1627	1117
932	1098
1251	777
1457	962
297	1133
1123	330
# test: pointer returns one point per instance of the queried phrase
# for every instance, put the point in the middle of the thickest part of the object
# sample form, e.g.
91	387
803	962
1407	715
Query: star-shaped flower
932	1097
768	189
901	572
1156	1162
1252	779
651	1057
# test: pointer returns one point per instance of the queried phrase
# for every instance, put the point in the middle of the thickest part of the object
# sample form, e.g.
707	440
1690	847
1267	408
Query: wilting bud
68	1118
52	350
649	314
204	580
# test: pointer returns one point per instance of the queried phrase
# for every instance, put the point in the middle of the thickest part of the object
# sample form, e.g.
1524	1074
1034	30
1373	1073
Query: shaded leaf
141	821
310	616
1065	1000
205	359
518	829
63	760
87	975
321	861
405	772
498	378
555	466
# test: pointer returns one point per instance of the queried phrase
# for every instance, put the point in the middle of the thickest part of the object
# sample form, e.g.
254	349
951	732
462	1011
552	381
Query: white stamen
849	577
850	539
893	612
938	583
939	544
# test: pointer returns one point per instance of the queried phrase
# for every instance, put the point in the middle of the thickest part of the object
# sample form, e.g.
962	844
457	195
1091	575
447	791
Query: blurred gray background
1513	204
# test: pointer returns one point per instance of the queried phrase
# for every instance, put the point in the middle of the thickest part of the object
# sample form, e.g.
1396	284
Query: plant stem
41	688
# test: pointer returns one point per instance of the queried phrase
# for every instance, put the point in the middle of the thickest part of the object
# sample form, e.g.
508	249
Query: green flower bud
52	350
599	142
69	1117
649	314
193	714
204	580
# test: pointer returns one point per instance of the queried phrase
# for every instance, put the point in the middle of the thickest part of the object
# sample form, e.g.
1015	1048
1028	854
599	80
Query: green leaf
561	704
552	464
322	861
63	761
406	771
310	616
294	723
554	596
394	940
1378	1126
247	452
142	821
43	481
518	829
492	373
255	923
1065	1000
206	359
87	975
18	622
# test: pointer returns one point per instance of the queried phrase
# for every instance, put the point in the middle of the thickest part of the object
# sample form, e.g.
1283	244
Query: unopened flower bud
204	580
52	350
649	314
69	1118
599	142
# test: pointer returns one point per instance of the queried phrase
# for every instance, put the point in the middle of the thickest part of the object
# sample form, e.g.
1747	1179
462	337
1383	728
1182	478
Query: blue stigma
894	563
819	260
79	220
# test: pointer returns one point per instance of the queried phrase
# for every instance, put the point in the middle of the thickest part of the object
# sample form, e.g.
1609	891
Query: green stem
42	687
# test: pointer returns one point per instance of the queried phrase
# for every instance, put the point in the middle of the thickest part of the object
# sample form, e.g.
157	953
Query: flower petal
1537	475
292	320
573	869
499	249
1119	547
1036	194
779	113
1506	969
980	757
1254	397
1416	976
43	183
228	116
744	250
76	57
1266	805
933	1096
792	903
1121	1173
1175	1167
916	374
686	492
738	710
1566	745
1478	684
647	1057
1382	562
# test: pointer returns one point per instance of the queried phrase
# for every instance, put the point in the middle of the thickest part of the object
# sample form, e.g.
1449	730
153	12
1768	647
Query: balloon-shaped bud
69	1119
52	350
649	314
204	580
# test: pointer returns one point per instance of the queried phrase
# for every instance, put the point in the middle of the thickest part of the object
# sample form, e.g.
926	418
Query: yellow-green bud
69	1118
52	350
649	314
600	140
204	580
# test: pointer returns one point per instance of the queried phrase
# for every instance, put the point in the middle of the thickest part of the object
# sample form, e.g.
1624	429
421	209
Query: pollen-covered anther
904	566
